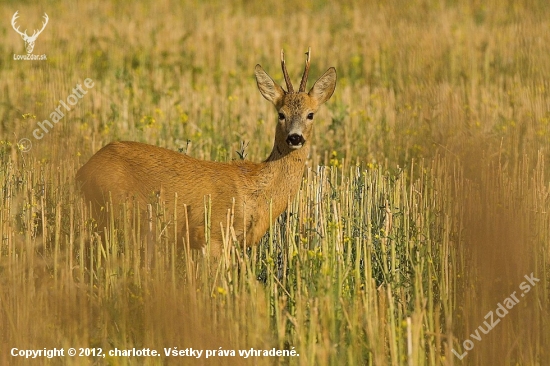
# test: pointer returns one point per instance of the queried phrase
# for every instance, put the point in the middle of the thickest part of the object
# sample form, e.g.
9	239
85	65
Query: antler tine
43	24
13	23
306	72
14	19
285	73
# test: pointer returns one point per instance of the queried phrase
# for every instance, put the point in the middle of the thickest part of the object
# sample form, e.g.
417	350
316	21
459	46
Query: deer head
29	40
295	109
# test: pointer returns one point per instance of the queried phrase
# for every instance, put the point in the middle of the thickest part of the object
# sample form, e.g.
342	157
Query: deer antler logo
29	40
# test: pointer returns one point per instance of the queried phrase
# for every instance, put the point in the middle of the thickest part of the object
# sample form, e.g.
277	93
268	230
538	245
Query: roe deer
132	169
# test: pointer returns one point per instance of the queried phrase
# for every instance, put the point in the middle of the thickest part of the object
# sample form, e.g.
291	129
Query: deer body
260	191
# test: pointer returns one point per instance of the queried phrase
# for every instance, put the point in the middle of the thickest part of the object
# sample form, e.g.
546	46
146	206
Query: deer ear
269	88
324	87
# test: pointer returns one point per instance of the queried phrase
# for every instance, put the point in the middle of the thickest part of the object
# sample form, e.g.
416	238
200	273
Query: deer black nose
295	140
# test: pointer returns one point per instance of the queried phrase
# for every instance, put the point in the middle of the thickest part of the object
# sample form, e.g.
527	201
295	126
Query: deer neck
283	171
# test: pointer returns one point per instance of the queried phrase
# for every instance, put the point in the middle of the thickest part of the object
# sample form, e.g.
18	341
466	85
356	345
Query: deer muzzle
295	140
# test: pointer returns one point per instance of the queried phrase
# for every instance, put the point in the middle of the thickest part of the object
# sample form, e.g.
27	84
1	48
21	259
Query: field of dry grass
425	200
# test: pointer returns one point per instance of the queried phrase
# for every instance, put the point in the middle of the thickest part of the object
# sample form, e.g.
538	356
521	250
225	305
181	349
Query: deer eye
281	116
310	116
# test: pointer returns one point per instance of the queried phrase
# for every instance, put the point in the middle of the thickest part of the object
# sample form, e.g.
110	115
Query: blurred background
424	203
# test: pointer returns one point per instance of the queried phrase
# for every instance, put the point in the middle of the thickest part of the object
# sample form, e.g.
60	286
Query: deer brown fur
132	169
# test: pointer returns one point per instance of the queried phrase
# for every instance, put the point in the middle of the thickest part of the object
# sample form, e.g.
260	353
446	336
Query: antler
35	34
25	36
13	19
285	73
306	72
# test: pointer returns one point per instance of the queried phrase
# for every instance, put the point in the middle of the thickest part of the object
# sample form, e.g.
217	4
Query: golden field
425	201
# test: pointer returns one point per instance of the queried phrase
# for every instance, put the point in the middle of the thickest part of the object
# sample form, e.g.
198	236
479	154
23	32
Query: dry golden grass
424	203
